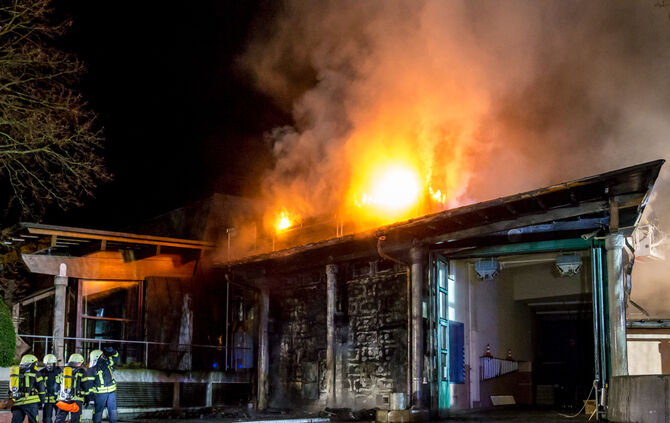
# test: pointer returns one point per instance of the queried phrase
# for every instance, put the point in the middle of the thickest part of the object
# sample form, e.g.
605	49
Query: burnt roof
569	208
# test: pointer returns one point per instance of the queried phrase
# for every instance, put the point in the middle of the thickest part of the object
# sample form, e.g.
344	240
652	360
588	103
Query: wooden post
263	362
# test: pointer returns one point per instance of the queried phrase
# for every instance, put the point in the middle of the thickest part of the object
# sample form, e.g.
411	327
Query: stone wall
370	338
376	351
298	340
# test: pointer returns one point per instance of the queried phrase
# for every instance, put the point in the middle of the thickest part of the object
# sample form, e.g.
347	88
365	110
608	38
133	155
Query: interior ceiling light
487	269
568	264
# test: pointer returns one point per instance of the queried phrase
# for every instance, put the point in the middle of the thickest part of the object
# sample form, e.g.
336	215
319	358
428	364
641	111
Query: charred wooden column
60	297
331	282
264	308
417	254
616	301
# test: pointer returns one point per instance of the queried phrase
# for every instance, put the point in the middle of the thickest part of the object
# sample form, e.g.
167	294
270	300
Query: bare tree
49	141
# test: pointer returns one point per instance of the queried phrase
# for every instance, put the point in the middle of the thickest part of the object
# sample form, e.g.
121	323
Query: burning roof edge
630	187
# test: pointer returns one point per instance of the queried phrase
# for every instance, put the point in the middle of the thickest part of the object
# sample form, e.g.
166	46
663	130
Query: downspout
225	366
383	255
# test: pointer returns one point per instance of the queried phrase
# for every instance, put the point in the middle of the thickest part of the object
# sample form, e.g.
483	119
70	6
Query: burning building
520	297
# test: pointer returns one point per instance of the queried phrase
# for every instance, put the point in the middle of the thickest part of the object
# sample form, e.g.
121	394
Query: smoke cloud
487	98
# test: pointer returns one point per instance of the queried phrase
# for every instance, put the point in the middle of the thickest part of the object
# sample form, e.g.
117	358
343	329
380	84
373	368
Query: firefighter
74	388
103	385
51	375
26	388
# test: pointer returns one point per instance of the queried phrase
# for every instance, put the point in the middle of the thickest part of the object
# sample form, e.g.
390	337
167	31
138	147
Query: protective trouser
105	400
61	415
47	412
20	412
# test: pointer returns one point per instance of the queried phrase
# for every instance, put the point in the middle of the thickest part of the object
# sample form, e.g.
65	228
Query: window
456	352
110	309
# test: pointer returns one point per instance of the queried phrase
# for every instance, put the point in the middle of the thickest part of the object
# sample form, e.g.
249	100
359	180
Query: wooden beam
115	236
614	215
110	265
31	300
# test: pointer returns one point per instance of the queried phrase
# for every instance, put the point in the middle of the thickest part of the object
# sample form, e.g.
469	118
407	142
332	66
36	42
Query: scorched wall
370	337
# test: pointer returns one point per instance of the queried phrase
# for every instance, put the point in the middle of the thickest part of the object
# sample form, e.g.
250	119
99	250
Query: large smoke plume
491	98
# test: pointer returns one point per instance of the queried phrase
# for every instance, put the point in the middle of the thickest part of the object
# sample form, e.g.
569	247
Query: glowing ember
283	221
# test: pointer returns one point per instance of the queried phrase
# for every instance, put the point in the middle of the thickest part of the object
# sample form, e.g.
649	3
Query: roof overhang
96	254
609	201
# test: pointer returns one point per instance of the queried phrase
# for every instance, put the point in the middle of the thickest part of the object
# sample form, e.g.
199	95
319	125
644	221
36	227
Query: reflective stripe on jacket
101	376
52	381
38	392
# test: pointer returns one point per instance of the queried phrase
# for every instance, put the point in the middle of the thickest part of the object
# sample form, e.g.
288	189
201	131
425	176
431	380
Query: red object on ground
69	407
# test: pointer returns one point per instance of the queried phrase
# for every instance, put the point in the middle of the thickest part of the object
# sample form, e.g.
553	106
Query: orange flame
283	221
395	188
437	196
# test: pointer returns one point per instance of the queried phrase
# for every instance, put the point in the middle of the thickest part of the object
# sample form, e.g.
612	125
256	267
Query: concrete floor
496	416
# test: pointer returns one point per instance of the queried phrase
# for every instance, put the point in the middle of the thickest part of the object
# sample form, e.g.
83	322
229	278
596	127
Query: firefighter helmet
28	359
49	359
76	358
94	355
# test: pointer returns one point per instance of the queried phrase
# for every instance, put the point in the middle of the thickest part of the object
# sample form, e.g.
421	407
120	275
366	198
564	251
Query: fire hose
593	388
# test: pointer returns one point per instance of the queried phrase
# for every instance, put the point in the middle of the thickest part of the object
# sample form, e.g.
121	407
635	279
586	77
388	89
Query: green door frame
599	299
439	277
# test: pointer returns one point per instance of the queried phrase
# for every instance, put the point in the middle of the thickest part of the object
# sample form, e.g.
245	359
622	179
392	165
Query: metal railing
493	367
237	358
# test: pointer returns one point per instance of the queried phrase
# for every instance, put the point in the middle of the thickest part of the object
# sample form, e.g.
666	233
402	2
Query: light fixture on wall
487	269
568	264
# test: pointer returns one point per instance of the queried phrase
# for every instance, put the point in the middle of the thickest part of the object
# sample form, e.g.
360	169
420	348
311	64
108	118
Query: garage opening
522	325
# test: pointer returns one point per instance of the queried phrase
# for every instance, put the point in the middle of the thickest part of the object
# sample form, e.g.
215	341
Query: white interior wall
501	322
491	316
459	298
495	312
539	280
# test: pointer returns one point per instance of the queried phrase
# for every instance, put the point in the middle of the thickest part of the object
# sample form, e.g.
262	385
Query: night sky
181	120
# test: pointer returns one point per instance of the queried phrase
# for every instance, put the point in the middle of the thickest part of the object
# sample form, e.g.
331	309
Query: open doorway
564	363
528	331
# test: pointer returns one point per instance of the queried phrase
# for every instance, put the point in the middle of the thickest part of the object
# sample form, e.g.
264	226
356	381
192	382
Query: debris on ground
349	415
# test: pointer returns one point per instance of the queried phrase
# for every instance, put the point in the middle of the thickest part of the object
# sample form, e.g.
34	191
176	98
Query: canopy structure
95	254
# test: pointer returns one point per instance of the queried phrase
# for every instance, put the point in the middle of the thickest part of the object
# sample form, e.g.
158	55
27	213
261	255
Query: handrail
123	341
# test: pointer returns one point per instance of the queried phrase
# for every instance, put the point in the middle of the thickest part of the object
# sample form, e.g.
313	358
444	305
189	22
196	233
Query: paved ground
494	416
